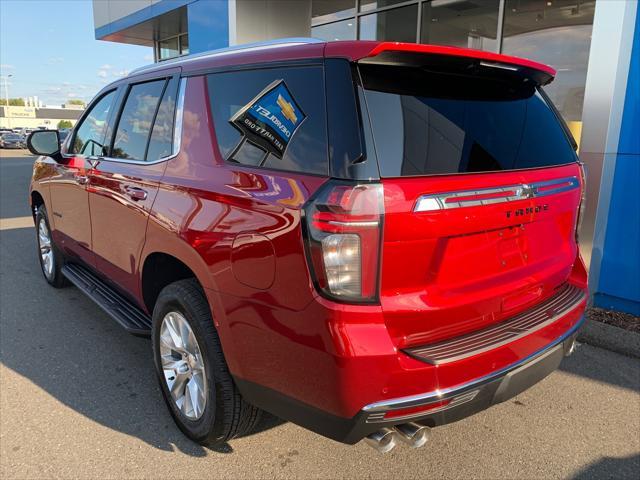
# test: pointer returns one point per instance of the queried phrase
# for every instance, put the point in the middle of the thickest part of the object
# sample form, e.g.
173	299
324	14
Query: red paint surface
460	52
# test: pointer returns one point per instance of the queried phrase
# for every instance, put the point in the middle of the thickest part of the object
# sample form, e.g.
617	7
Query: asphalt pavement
79	399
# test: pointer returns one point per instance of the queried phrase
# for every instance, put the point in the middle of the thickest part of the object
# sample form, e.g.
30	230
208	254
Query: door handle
81	179
136	193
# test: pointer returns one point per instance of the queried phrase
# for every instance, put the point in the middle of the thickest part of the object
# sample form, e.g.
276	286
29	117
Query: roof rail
280	42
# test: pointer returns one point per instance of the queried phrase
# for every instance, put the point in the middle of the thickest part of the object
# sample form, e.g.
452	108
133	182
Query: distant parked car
5	130
24	132
11	140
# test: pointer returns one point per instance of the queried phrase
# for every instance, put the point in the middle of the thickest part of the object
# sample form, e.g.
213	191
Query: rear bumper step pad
123	311
563	301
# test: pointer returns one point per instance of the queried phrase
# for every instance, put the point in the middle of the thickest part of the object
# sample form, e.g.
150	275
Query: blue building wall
619	282
154	10
208	24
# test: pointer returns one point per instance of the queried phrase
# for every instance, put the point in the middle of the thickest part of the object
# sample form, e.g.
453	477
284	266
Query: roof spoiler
417	55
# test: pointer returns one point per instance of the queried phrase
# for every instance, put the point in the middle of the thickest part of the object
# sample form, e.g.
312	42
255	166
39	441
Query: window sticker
269	121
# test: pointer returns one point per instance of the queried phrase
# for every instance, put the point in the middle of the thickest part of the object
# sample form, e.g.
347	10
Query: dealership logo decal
269	120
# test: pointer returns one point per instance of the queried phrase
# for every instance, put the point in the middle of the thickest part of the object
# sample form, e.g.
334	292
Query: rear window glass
431	123
272	118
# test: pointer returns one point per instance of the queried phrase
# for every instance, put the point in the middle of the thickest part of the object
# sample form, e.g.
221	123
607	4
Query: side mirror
44	142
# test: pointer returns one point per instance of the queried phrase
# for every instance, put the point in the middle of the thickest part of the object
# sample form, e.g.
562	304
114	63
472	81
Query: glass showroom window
323	11
370	5
398	25
342	30
461	24
173	47
535	28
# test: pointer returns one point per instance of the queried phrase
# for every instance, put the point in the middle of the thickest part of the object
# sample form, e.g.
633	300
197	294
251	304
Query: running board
123	311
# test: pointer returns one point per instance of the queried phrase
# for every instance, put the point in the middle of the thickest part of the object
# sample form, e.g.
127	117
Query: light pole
6	97
6	88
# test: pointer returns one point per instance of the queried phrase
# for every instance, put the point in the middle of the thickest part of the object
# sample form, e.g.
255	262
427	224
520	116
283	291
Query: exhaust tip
384	440
570	346
413	434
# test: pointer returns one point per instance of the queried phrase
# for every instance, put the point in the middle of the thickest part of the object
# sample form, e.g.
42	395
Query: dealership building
593	44
37	117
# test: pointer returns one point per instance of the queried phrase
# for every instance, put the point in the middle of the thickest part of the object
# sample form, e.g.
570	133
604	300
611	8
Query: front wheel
193	374
51	260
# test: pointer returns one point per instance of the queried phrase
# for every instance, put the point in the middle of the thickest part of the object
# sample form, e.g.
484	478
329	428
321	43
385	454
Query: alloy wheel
183	365
46	252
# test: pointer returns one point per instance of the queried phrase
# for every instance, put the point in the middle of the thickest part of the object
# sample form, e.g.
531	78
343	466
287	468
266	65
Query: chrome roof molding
246	47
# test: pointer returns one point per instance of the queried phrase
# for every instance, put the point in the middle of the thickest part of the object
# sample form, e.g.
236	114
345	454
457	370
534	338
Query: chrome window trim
524	191
177	134
438	395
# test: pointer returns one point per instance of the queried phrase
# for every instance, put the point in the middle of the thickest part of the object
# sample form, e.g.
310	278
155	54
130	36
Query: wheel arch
160	269
36	200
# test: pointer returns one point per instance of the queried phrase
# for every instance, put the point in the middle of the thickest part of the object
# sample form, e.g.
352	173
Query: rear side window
161	142
136	119
89	136
429	123
271	117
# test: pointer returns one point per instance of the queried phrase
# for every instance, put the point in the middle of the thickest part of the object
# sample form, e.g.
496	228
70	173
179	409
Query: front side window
272	118
134	126
428	123
90	135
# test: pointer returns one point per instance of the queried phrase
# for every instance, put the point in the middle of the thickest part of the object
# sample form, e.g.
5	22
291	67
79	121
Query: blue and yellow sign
270	119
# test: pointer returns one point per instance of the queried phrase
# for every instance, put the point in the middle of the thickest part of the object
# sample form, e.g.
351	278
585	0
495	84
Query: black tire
226	415
54	275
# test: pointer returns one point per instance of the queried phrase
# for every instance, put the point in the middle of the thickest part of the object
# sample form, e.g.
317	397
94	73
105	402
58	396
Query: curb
611	338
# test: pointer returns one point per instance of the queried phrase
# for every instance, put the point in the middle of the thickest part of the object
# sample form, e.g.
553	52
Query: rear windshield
426	122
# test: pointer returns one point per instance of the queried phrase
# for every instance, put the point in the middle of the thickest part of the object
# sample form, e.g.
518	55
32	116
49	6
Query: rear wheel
195	380
51	260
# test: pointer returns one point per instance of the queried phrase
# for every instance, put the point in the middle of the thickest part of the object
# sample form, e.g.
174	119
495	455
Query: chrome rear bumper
481	392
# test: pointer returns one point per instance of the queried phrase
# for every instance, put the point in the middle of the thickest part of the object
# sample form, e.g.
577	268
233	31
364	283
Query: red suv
367	239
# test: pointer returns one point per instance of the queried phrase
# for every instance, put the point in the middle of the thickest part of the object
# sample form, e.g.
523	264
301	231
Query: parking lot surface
78	399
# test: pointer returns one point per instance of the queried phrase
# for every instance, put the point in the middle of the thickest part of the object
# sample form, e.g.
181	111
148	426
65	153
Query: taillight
344	231
583	197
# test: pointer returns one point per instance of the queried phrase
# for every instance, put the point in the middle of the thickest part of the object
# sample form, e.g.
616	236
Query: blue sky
49	48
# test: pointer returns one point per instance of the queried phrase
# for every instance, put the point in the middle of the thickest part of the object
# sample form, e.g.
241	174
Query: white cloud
6	66
55	60
120	73
106	66
102	73
72	95
148	58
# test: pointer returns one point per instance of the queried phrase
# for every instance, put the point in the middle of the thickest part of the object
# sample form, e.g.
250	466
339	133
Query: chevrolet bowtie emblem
287	109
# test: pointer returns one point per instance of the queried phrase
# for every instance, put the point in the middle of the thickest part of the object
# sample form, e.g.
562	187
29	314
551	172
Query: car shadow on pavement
64	344
610	467
603	366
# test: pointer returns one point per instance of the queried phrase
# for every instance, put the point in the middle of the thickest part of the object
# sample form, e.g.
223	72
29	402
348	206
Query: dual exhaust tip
386	439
